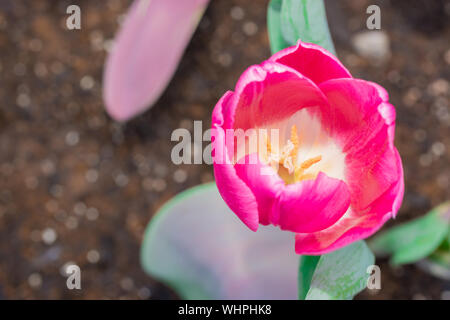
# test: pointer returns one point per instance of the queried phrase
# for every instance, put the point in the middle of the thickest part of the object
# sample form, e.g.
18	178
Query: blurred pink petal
146	53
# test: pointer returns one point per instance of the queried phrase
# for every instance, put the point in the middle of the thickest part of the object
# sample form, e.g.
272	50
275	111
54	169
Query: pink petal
313	205
146	53
233	190
307	206
354	225
268	93
357	109
312	61
265	188
362	121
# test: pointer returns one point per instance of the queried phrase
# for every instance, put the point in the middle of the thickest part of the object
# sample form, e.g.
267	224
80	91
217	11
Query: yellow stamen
305	165
269	146
289	170
305	177
295	141
308	163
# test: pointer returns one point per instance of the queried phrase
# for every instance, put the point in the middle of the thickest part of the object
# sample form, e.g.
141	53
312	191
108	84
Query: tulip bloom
337	176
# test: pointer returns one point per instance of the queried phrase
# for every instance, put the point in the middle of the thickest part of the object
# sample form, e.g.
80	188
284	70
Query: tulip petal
265	186
306	206
312	61
197	246
146	53
269	93
357	110
313	205
234	191
354	225
361	120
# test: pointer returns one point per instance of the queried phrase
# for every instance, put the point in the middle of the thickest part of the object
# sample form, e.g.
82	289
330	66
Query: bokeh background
77	187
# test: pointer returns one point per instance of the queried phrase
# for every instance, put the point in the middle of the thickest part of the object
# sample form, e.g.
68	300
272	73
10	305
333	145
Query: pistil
286	161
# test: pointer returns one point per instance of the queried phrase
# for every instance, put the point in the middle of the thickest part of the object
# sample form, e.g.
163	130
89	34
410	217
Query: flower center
285	161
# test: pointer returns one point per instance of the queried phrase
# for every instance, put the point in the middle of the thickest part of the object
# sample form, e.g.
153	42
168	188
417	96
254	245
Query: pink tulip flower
336	176
146	53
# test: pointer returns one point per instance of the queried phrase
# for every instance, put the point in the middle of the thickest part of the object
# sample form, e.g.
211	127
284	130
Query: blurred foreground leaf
197	246
414	240
437	264
341	274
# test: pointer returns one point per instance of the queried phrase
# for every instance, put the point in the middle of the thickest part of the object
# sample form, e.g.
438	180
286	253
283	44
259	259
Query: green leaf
305	273
437	264
414	240
341	274
196	245
448	237
277	41
442	257
305	20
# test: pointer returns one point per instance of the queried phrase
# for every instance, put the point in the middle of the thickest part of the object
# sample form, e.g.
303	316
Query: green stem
306	270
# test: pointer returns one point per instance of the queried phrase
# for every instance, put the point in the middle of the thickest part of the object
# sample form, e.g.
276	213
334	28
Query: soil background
75	186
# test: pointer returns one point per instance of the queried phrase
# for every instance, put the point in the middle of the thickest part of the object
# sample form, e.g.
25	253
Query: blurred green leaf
341	274
445	245
306	270
277	41
305	20
197	245
437	264
441	257
414	240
